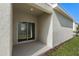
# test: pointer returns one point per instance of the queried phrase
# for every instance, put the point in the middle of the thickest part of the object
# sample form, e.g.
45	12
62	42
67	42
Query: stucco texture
62	28
5	30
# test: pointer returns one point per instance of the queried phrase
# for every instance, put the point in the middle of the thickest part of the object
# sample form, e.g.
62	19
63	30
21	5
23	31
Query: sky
72	9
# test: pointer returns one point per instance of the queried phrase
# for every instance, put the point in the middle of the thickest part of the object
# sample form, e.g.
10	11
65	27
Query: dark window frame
29	26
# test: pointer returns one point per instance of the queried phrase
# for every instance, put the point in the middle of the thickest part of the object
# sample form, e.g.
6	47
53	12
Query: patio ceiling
24	7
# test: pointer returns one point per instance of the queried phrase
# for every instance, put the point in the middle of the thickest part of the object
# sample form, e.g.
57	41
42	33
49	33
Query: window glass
26	31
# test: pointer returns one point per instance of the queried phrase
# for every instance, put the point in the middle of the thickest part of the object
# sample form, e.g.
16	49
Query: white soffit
60	10
43	7
53	5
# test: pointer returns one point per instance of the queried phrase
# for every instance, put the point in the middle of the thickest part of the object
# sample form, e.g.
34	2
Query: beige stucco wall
5	29
52	29
62	28
45	23
22	17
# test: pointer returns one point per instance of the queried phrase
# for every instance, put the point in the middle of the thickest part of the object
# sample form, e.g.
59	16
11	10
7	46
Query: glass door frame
26	41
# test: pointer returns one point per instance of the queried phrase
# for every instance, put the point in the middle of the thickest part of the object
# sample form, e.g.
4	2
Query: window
26	31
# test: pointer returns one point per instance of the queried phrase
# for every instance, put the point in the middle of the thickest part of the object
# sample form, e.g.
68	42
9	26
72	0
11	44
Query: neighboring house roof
77	23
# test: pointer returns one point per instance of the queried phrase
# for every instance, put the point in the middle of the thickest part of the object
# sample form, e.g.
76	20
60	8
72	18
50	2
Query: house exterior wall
62	28
5	30
45	29
22	17
53	28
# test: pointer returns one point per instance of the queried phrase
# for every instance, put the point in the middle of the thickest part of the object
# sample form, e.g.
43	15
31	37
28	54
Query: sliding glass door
26	31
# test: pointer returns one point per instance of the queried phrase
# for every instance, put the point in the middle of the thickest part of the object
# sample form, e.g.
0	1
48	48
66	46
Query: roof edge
60	10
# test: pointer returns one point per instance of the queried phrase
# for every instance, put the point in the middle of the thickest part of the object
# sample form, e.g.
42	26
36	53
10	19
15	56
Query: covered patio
42	40
29	49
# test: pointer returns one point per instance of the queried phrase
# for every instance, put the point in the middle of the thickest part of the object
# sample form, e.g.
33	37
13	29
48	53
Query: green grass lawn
70	48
